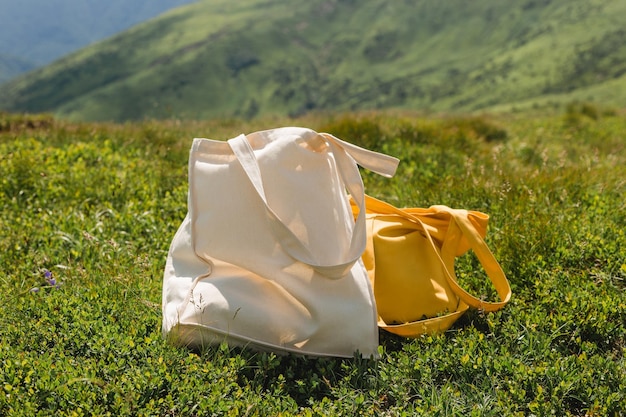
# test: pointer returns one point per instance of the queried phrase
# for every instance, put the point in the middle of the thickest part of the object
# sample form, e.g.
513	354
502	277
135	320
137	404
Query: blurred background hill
36	32
245	58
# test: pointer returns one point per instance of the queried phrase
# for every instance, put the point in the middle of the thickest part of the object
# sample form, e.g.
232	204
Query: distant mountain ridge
221	58
36	32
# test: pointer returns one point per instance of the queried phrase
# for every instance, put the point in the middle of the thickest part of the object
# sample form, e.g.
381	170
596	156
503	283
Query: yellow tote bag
410	261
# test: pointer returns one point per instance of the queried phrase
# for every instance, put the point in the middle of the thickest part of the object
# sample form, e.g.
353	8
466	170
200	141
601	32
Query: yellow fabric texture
410	257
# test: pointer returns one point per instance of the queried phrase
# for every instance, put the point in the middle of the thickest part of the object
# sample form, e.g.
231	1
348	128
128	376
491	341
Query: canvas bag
269	254
410	260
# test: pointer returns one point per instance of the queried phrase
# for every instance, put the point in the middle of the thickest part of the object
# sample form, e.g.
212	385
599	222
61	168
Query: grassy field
89	210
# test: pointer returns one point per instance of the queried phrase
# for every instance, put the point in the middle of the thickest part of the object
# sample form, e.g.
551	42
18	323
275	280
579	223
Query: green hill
219	58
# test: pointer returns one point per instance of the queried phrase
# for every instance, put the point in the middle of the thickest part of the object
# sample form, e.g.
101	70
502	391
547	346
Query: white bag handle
346	156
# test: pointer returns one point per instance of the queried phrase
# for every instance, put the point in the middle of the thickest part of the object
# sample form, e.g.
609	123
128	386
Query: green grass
98	204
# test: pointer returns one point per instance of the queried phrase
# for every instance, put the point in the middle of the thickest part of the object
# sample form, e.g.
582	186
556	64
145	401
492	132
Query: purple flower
51	280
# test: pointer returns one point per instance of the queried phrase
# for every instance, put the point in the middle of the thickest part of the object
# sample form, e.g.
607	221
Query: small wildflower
51	280
34	289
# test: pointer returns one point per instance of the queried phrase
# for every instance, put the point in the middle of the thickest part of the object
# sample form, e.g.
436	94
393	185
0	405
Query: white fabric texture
269	254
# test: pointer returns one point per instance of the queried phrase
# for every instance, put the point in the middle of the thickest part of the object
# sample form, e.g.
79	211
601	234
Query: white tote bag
269	254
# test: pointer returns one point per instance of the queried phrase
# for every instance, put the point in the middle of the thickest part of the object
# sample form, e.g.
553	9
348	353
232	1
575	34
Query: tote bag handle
461	227
346	156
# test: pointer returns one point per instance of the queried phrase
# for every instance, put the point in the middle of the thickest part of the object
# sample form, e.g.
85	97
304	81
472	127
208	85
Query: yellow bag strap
460	227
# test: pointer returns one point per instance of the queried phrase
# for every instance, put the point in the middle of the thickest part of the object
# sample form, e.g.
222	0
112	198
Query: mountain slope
39	31
218	58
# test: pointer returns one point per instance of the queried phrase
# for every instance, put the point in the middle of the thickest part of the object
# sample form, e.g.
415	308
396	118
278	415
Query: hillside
218	58
40	31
